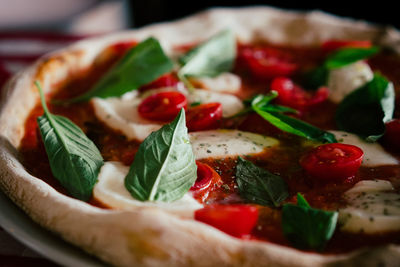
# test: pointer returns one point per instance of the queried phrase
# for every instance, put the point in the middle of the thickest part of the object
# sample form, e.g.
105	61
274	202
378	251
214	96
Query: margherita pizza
236	137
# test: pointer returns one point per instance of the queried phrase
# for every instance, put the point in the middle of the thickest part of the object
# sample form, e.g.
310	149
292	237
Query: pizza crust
150	236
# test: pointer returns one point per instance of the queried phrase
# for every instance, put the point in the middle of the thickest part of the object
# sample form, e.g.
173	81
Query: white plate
18	224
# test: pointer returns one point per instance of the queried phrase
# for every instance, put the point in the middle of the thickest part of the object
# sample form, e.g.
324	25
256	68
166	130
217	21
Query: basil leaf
346	56
164	168
258	185
305	227
142	64
302	202
365	110
211	58
279	108
292	125
74	160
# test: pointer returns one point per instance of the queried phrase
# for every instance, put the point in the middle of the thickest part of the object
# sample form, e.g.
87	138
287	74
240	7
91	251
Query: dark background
149	11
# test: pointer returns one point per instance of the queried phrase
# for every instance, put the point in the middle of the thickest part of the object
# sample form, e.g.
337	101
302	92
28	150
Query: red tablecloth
17	50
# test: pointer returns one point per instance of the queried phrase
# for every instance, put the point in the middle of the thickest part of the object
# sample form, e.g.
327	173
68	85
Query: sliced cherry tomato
292	95
206	177
166	80
392	134
266	63
204	117
236	220
332	45
332	162
122	47
163	106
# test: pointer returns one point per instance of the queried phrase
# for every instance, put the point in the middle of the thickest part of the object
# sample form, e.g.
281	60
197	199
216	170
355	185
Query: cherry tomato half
204	117
332	162
292	95
206	177
163	106
121	47
236	220
266	63
332	45
392	134
166	80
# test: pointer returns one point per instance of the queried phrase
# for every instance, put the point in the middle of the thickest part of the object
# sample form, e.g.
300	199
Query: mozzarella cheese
121	113
373	207
230	104
229	143
226	83
343	81
374	154
110	191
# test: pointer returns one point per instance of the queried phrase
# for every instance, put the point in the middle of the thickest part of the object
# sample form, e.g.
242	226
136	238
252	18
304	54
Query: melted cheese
230	103
373	207
120	113
344	80
110	191
229	143
374	154
225	83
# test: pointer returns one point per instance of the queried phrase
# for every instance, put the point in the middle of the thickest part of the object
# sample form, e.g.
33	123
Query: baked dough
149	236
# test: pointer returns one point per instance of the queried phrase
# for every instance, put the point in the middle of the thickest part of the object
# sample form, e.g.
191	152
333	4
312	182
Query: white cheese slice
224	83
110	190
374	153
229	143
373	207
121	113
343	81
230	104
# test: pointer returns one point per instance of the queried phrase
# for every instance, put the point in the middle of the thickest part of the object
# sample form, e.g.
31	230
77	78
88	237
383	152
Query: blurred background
30	28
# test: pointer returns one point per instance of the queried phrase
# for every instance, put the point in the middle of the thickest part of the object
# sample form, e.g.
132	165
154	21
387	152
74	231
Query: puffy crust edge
149	236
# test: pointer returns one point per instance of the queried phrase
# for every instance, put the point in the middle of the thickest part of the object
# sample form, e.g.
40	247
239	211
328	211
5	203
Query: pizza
238	137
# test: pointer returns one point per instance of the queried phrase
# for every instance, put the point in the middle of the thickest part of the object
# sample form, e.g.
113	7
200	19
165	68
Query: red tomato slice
392	134
166	80
266	63
292	95
206	177
204	117
163	106
332	45
332	162
236	220
122	47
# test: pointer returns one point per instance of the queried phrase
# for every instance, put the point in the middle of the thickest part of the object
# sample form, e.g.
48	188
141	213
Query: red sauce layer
283	161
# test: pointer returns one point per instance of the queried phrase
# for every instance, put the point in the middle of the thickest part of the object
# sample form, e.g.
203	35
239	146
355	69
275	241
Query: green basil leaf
292	125
346	56
307	228
164	168
142	64
302	202
74	160
258	185
279	108
365	110
211	58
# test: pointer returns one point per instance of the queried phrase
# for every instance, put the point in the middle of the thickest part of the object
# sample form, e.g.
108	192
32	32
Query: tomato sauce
283	161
